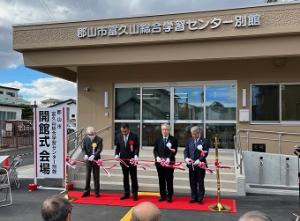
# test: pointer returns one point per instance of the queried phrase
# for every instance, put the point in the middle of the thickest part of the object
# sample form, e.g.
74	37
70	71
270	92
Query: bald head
255	216
145	211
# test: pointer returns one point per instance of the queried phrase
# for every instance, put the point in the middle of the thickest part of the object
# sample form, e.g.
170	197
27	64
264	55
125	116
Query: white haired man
92	148
165	149
56	208
195	153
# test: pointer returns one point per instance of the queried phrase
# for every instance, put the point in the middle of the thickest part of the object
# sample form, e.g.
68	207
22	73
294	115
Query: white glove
91	158
136	158
196	162
117	157
85	157
158	159
167	160
188	160
200	147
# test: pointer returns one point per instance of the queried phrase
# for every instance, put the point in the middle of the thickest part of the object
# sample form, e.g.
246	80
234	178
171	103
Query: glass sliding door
127	109
156	104
188	111
155	111
225	133
210	106
182	132
220	103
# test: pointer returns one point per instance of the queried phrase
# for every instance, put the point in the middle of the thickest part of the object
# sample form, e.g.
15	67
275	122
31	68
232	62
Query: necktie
196	140
125	140
165	141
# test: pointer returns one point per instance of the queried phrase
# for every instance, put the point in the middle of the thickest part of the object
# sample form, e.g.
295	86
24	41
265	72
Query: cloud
44	88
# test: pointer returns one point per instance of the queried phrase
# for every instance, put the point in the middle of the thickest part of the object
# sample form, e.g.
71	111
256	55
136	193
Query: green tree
27	113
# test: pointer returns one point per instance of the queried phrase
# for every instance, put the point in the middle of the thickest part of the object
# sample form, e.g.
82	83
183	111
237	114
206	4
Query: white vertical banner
50	142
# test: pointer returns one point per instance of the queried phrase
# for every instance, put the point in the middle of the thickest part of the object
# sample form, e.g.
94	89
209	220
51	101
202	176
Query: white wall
13	109
73	110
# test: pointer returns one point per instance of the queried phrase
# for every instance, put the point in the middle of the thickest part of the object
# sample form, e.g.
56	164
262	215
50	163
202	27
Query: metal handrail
79	137
239	149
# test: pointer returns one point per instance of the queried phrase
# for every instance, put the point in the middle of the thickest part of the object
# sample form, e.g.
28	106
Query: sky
35	85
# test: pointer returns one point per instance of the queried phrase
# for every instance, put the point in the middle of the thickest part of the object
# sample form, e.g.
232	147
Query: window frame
280	122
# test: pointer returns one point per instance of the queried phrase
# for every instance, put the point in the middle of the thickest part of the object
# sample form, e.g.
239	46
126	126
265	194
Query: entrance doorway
210	105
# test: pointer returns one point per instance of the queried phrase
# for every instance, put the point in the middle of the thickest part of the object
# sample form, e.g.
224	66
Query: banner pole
33	186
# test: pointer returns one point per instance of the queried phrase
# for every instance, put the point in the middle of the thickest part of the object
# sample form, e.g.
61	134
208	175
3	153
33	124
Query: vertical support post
218	207
247	140
279	142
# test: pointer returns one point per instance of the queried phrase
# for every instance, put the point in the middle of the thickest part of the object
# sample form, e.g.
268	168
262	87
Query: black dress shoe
135	198
193	201
161	199
85	194
170	200
124	197
200	202
97	195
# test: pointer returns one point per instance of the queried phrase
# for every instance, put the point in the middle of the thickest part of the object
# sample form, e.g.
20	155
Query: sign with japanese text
49	142
193	25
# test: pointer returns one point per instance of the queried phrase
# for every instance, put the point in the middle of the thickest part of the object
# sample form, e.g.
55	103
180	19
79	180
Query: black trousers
197	176
132	170
91	166
165	177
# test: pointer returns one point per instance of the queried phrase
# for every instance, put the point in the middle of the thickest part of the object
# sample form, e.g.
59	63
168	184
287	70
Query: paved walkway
27	207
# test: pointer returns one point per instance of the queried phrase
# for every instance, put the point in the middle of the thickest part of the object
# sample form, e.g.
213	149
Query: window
224	132
12	94
1	92
2	115
11	115
290	102
275	102
265	103
221	102
188	103
156	104
127	103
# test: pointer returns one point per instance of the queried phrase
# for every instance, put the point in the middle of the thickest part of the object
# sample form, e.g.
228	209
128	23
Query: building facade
226	71
10	103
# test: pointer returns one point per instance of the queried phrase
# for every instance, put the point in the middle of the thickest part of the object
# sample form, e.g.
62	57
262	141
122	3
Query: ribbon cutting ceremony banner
50	136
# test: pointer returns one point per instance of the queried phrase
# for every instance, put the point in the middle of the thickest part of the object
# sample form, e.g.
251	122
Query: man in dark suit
165	149
92	147
196	151
127	148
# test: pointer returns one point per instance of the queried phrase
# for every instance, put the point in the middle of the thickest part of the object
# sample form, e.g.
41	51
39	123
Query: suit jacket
132	147
162	151
87	146
192	152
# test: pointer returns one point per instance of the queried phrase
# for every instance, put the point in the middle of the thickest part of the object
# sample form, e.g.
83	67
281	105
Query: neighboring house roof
10	105
10	88
13	101
68	102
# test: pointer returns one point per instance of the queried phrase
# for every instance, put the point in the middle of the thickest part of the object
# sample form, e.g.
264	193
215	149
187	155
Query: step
153	180
225	175
148	180
107	164
145	187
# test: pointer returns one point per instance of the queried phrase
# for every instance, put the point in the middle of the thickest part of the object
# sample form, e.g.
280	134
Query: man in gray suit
92	147
195	152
